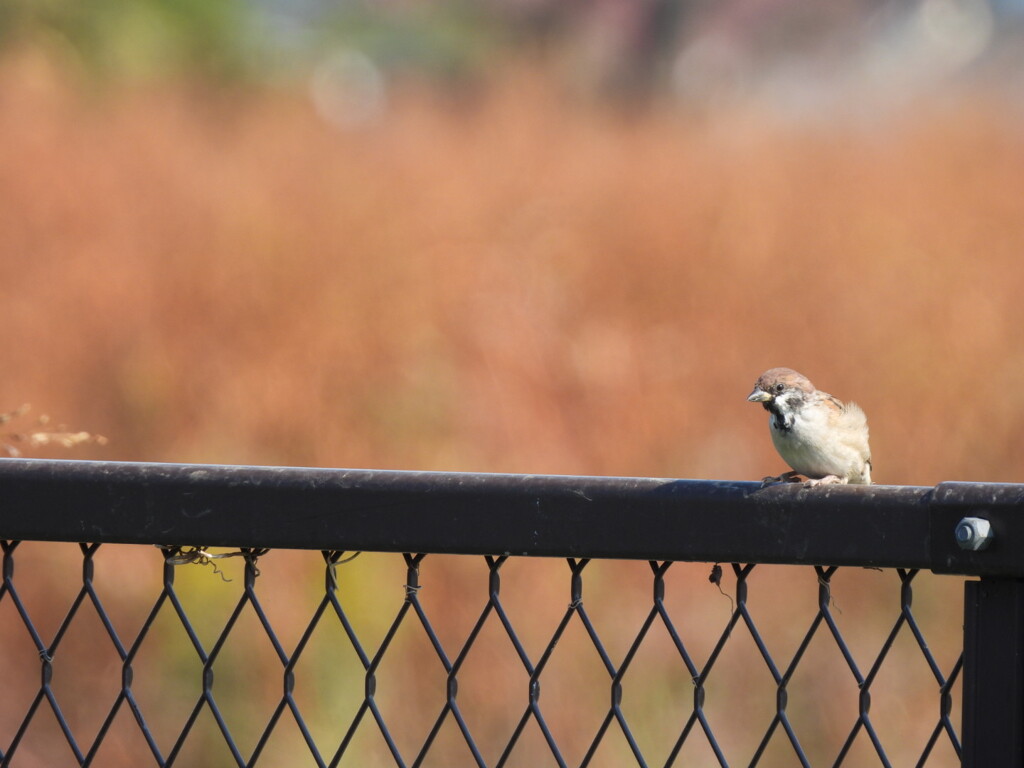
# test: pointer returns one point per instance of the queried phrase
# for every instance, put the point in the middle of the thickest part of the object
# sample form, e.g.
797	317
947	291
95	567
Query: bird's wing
853	415
855	425
849	421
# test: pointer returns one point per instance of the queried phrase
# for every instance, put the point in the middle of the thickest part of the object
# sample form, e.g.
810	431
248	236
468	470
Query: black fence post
993	703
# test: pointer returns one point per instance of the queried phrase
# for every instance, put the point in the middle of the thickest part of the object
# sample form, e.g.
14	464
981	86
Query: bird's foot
826	480
785	477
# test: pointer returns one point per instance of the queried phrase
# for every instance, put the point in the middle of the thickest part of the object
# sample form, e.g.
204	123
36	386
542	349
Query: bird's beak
759	396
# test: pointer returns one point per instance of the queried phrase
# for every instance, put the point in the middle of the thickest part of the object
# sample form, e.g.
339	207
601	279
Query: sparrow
819	436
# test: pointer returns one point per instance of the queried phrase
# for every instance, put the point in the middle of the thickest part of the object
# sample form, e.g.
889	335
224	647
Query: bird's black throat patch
779	420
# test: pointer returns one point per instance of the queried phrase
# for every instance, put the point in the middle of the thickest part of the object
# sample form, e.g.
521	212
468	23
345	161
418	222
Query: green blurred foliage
445	40
231	39
135	39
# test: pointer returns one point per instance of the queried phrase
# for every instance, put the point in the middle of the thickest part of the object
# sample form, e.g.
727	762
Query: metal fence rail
503	517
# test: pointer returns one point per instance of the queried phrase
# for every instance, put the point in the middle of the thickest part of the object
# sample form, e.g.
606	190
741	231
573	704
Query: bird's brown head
775	381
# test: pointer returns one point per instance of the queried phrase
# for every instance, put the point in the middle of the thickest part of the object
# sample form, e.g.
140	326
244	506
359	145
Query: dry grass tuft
41	433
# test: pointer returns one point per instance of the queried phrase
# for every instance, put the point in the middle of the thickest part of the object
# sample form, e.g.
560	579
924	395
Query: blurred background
510	235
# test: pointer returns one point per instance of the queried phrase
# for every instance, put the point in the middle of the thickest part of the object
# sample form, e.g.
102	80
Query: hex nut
974	533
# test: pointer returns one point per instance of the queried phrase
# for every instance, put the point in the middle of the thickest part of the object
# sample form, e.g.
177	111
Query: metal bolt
974	533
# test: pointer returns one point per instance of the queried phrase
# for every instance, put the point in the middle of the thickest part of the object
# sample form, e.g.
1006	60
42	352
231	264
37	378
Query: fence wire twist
696	726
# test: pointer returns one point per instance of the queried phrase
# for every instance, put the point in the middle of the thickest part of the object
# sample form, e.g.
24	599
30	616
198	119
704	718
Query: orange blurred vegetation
511	280
510	283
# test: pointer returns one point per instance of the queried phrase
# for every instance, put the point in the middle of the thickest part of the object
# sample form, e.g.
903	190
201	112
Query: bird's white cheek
784	402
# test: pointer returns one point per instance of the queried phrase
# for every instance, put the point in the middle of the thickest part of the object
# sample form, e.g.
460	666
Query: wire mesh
295	658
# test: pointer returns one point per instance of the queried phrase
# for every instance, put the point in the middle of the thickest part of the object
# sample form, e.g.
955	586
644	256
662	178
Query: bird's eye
779	388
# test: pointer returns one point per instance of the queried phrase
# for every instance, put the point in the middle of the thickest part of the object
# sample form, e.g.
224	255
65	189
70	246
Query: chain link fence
156	654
